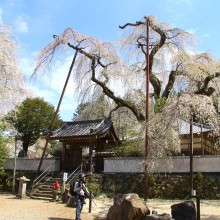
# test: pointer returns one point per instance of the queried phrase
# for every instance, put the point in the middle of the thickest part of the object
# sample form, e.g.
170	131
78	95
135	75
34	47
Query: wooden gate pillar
63	157
90	159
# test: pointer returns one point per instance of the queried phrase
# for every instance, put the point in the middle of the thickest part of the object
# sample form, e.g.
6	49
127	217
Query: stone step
44	190
43	186
57	178
47	185
39	194
42	198
52	181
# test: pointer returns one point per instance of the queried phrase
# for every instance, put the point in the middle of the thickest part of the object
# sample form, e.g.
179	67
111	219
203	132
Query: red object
56	185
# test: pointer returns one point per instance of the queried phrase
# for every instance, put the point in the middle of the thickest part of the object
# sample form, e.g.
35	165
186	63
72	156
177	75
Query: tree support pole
191	154
147	114
57	110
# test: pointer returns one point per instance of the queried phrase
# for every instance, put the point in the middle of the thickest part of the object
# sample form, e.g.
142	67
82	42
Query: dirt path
12	208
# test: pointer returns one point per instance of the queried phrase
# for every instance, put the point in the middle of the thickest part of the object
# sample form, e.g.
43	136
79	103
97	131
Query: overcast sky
36	21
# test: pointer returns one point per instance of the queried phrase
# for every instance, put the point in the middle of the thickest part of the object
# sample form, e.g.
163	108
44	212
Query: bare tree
170	63
98	64
171	60
176	72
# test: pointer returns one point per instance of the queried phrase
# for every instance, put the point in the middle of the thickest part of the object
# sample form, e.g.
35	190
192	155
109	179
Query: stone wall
159	185
162	186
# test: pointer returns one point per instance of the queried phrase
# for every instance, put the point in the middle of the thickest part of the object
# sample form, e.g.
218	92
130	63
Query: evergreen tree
32	118
3	150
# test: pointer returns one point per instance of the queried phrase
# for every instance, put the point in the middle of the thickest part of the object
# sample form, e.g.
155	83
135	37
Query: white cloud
21	25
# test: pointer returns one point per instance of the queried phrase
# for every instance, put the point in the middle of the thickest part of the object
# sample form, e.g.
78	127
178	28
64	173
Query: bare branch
131	24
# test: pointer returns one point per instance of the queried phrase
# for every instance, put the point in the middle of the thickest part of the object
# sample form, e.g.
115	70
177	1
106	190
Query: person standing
55	191
79	189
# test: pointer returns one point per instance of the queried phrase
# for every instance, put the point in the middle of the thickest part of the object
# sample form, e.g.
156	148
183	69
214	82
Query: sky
34	23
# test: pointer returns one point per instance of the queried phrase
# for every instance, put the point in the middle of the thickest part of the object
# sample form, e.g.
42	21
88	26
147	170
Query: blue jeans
79	206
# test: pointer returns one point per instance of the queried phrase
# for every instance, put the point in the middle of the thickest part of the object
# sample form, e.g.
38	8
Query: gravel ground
12	208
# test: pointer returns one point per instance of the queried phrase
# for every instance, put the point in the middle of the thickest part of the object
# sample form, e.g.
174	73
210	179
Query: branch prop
57	110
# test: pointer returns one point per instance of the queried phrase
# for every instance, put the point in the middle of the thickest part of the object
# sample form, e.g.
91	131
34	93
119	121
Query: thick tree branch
153	79
205	90
80	50
170	84
96	60
113	110
119	101
141	45
132	24
171	81
155	82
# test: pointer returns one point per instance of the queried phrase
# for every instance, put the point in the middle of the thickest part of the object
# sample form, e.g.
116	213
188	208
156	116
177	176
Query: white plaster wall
32	164
171	165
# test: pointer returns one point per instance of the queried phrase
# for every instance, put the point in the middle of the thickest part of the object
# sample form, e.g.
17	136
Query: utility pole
147	113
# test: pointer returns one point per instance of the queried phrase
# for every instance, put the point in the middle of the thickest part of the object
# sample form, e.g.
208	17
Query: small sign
65	177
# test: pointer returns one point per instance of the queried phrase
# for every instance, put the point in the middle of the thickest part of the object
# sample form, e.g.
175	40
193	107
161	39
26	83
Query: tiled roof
83	128
184	127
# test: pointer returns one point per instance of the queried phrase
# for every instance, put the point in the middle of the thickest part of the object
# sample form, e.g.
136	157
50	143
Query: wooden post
191	154
63	165
202	145
14	170
90	160
90	201
198	206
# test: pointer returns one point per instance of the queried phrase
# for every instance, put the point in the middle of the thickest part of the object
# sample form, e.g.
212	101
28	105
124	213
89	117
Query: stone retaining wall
159	185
